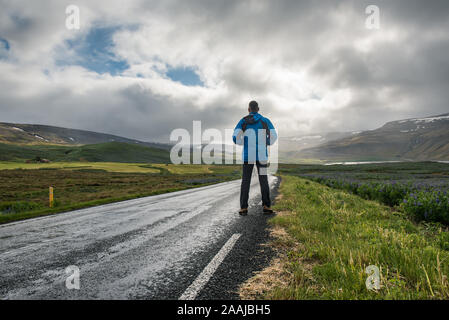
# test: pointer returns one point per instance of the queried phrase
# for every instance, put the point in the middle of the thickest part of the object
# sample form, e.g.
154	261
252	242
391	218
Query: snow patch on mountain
39	137
425	120
306	138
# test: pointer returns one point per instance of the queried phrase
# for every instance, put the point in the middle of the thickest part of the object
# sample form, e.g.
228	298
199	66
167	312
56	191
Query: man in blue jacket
254	132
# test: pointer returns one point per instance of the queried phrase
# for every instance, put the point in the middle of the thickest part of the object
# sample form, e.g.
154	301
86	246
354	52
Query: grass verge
328	239
5	218
24	193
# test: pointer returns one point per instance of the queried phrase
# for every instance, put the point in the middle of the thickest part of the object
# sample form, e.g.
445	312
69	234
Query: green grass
102	152
24	192
185	168
371	171
84	166
336	235
421	189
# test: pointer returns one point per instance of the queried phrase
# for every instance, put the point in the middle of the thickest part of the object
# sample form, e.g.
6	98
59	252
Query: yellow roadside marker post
51	197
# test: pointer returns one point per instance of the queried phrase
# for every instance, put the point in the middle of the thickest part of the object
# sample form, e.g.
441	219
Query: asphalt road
190	244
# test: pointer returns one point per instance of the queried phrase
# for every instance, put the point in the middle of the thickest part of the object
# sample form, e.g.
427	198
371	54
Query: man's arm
237	137
273	133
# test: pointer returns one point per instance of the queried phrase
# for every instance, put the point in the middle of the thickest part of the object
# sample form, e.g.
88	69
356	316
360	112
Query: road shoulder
250	254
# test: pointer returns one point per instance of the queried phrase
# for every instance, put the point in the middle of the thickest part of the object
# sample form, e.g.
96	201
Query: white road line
196	286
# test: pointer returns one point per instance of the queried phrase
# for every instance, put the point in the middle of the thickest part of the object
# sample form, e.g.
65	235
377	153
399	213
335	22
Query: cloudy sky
143	68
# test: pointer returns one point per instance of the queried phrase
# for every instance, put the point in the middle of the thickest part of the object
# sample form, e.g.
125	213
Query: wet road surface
190	243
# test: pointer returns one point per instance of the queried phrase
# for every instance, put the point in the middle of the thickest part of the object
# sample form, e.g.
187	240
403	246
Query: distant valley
414	139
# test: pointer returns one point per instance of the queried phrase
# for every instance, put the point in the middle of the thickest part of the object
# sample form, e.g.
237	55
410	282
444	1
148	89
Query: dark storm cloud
399	78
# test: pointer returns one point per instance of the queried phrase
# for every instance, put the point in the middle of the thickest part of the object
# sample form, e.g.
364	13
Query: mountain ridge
29	134
425	138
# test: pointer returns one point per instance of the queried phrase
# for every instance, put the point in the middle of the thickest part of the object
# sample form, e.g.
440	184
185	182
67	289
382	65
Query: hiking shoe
243	212
267	210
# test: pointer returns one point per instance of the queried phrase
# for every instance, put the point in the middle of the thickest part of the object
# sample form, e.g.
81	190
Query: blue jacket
254	149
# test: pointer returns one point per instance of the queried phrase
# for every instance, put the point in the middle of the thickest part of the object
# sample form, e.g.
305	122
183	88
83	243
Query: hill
103	152
290	147
13	133
409	139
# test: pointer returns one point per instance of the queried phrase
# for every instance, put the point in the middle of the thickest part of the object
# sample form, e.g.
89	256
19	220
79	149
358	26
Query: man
254	132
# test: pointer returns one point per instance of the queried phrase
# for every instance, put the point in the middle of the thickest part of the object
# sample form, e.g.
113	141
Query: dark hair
253	106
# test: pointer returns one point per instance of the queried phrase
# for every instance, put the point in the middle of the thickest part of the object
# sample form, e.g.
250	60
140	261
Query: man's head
253	107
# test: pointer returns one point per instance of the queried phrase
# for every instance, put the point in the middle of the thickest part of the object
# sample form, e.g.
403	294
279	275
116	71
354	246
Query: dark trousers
246	182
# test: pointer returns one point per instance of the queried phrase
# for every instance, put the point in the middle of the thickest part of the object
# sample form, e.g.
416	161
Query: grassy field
104	152
420	189
190	168
327	237
106	166
24	187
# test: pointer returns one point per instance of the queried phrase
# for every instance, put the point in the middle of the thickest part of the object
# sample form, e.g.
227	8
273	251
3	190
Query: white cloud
311	65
